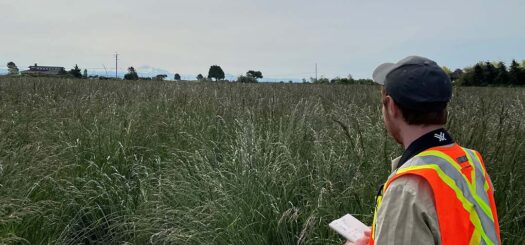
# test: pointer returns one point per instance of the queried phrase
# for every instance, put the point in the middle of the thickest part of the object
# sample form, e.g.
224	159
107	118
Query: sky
281	38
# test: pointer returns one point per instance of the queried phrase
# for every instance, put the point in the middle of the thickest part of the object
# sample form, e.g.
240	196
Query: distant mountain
148	71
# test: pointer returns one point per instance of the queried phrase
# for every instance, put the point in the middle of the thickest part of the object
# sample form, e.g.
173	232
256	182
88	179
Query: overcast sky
282	38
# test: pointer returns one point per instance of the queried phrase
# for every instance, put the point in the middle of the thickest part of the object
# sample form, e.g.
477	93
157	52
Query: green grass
114	162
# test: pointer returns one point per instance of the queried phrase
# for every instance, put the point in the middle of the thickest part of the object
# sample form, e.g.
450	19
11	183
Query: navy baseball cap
416	83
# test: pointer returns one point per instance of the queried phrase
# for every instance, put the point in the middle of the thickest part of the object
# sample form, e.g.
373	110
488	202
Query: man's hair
412	117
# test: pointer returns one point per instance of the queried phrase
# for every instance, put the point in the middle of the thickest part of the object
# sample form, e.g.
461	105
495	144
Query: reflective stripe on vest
472	195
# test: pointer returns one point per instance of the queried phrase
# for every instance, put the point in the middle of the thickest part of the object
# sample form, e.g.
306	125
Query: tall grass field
147	162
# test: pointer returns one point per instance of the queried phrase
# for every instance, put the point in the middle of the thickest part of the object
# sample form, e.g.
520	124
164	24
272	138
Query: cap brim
381	71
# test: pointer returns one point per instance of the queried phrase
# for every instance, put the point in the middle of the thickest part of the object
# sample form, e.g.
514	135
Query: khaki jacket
407	214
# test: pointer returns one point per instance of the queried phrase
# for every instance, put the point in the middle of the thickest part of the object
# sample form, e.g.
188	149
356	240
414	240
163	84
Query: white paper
349	227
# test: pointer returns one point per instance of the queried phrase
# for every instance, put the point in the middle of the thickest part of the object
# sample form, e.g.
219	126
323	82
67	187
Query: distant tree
466	78
85	75
320	80
132	74
478	75
454	76
161	77
502	75
364	81
200	77
176	77
343	80
246	79
216	72
489	73
12	69
515	73
75	72
254	74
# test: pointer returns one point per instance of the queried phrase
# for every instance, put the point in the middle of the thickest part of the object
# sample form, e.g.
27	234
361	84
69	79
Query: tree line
489	74
215	73
481	74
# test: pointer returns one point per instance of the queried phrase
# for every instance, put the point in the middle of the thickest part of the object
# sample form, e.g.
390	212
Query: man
438	192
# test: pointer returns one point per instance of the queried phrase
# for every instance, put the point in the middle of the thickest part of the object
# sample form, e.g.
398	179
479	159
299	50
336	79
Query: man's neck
413	132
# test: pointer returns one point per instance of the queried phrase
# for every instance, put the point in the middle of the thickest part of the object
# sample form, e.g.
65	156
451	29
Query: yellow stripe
486	186
378	204
479	160
473	177
484	206
475	239
474	218
445	157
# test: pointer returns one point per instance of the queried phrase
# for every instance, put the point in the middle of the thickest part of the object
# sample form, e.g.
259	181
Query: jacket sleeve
407	214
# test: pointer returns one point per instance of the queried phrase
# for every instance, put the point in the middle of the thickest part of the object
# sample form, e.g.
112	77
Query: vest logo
440	136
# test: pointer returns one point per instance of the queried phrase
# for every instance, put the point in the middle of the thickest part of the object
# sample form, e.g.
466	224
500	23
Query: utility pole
315	72
116	65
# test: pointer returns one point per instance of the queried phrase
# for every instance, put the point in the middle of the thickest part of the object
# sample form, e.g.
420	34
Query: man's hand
364	240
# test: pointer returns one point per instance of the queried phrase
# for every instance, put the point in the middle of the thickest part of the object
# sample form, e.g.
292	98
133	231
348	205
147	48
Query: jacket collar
438	137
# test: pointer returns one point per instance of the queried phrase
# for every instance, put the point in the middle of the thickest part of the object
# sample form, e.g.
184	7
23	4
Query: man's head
415	94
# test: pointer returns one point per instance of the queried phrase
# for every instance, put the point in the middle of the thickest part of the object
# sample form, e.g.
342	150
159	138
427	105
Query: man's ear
391	107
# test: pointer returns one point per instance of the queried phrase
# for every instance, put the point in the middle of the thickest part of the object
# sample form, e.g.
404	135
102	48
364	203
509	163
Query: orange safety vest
463	194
